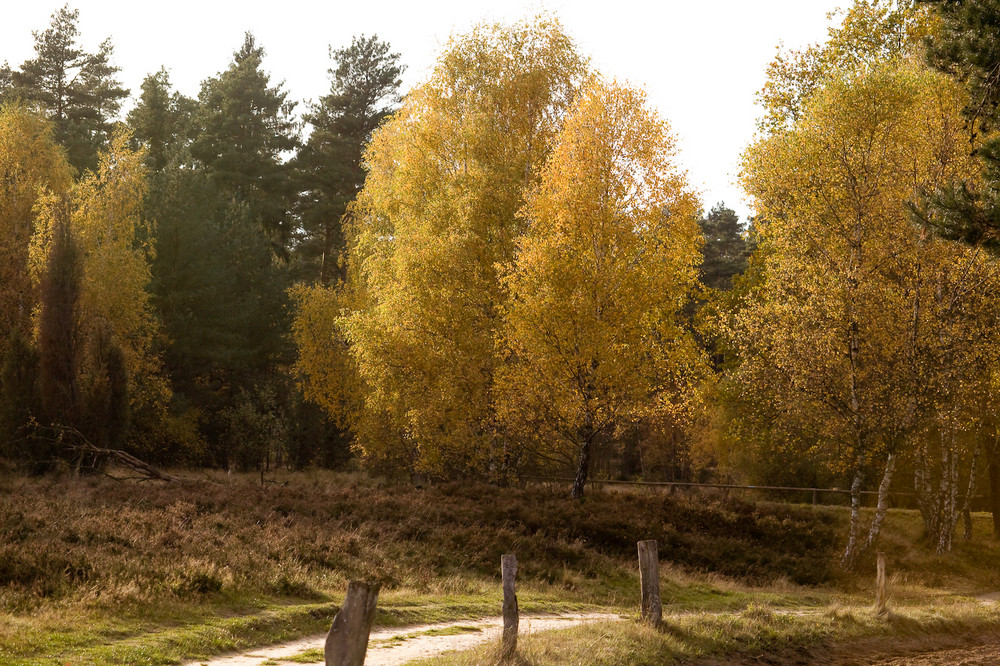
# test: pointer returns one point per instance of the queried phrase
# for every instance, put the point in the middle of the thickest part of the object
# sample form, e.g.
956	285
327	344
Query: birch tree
31	164
437	215
114	319
610	255
839	328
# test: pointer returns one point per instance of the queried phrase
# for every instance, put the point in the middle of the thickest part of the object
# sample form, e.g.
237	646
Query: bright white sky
699	62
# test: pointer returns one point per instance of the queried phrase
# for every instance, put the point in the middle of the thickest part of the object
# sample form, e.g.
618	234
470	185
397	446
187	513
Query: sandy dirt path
984	655
385	648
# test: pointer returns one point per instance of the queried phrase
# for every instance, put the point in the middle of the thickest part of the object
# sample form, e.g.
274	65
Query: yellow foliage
610	256
326	370
115	242
437	215
843	335
31	166
872	33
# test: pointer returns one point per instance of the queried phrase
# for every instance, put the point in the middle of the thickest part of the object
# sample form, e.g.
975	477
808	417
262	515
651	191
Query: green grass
742	637
98	572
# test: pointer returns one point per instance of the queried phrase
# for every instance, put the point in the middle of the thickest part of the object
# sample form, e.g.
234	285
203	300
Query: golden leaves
609	256
437	215
32	166
105	211
843	331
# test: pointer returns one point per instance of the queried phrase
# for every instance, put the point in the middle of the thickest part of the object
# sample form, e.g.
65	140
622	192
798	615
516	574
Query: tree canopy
76	90
364	90
608	259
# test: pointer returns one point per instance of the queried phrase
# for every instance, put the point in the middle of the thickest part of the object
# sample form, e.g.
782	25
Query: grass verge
757	634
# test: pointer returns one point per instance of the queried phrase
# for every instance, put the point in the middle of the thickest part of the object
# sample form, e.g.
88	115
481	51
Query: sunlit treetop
871	33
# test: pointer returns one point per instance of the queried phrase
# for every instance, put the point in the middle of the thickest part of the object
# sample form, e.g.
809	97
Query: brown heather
98	572
102	542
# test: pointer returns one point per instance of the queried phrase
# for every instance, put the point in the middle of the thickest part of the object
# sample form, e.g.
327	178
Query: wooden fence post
347	642
881	606
508	569
649	582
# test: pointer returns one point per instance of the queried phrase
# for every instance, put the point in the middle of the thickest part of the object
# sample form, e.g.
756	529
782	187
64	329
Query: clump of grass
310	656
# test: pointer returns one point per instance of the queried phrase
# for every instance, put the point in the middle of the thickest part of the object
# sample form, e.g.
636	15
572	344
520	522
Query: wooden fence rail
816	493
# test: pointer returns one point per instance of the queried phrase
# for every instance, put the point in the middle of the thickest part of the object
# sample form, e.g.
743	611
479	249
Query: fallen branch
147	471
144	468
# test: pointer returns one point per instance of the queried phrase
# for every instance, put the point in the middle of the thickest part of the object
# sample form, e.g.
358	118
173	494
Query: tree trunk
582	469
883	504
994	494
970	491
854	531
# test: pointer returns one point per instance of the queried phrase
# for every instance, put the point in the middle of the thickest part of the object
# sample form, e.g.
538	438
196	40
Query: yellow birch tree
836	335
592	338
31	165
115	242
437	215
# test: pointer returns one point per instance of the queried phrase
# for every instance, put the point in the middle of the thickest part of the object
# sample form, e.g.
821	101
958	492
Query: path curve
416	643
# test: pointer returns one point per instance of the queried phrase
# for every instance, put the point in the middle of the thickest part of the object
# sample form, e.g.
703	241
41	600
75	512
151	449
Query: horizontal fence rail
817	493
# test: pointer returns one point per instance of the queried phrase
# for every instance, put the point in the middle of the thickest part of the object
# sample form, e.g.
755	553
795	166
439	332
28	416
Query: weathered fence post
649	582
347	642
881	606
508	569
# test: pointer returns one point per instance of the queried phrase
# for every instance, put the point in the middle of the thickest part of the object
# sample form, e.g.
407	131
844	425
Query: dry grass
755	635
95	542
94	571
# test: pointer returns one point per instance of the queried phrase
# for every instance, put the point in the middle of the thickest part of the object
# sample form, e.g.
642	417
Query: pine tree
245	129
161	119
363	92
726	249
57	334
76	90
967	47
105	409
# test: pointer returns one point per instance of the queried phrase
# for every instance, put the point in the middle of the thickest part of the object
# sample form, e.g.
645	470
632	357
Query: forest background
507	273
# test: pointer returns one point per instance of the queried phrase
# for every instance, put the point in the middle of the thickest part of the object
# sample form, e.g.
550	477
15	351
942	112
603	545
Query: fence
824	496
347	640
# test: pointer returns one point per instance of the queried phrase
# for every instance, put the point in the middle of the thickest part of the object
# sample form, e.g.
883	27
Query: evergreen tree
224	204
220	294
161	119
245	129
193	289
364	90
77	90
57	335
105	410
968	47
726	248
19	398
